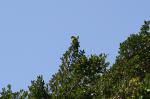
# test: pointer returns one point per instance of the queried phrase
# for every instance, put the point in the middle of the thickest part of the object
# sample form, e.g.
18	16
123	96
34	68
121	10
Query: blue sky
35	33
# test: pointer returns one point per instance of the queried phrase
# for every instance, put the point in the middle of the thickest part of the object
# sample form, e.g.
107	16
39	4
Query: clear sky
35	33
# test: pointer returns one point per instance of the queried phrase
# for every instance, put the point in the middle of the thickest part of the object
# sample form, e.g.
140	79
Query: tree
81	76
126	78
77	73
135	50
38	89
7	93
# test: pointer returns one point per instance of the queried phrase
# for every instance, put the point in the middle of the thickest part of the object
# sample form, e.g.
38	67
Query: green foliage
87	77
126	78
135	50
77	73
8	94
38	89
